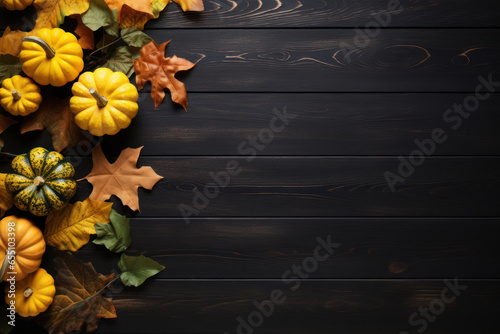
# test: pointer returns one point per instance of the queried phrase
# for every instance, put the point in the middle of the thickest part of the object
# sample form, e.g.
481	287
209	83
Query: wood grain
265	248
313	60
326	124
323	186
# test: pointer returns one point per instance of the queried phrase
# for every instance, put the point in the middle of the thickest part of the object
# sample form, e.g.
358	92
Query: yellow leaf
128	10
50	14
70	228
191	5
131	18
6	198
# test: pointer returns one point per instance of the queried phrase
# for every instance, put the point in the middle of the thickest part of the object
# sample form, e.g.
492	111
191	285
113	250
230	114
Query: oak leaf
79	298
6	199
191	5
153	66
5	122
54	115
121	178
70	228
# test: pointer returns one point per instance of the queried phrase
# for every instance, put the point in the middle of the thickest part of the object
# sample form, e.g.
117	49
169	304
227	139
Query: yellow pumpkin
51	57
104	102
33	294
20	96
16	4
22	238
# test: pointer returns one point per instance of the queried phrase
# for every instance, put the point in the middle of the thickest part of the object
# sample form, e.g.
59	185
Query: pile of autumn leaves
122	47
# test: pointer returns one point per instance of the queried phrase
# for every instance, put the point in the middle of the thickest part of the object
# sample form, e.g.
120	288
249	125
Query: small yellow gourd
104	102
16	4
51	57
20	96
33	294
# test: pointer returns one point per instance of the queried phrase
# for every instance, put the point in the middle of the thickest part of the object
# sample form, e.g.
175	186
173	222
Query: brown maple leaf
121	179
5	122
79	297
86	34
191	5
153	66
54	115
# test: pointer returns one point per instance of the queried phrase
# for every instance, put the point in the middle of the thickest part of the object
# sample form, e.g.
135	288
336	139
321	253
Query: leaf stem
8	155
105	46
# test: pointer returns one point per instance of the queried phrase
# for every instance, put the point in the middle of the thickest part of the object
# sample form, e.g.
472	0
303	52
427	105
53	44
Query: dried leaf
5	123
122	60
70	228
100	15
86	34
134	37
191	5
136	269
115	235
50	14
129	9
122	178
6	199
9	66
54	115
139	20
79	297
153	66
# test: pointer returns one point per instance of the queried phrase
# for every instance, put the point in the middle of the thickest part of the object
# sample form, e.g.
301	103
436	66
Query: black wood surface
322	175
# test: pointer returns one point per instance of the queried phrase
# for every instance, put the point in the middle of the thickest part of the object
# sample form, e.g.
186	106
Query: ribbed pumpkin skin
58	187
29	245
30	96
121	108
16	4
43	288
59	70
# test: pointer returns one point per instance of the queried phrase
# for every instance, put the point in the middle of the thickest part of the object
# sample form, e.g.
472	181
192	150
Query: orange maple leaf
122	178
130	18
54	115
153	66
86	34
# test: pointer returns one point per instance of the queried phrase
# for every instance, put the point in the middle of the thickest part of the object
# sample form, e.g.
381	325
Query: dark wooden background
322	175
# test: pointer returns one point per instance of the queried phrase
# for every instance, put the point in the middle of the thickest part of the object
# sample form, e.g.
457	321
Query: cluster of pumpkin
103	101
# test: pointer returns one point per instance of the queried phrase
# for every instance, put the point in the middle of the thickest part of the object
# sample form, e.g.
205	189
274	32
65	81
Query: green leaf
100	15
114	235
134	37
136	269
122	60
9	66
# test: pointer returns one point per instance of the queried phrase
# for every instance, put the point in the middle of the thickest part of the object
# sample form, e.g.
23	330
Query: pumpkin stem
101	100
16	95
28	292
49	51
39	181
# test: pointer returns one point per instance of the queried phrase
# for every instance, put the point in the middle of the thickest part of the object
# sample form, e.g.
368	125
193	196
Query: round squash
16	4
104	102
42	182
33	294
20	96
21	245
51	57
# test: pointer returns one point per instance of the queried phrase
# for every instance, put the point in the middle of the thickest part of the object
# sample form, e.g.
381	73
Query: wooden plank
326	124
320	307
314	60
330	13
323	186
266	248
311	13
